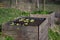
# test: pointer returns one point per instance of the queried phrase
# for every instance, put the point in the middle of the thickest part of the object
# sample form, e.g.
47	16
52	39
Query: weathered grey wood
43	30
49	17
26	32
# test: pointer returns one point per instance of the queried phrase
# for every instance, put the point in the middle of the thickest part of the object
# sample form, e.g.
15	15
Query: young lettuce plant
22	19
26	20
26	23
17	24
32	20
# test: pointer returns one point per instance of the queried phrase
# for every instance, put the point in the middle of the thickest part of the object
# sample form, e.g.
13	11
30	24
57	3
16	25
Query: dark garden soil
37	21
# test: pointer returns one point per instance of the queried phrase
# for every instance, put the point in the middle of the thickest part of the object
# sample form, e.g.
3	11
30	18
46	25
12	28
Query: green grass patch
25	13
41	12
7	14
53	35
9	38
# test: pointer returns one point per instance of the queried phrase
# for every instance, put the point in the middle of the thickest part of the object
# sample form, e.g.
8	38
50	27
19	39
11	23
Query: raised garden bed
49	15
57	18
27	28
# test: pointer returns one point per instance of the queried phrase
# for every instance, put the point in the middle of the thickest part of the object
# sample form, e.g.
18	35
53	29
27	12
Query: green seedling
22	19
9	38
27	19
26	23
17	24
32	20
